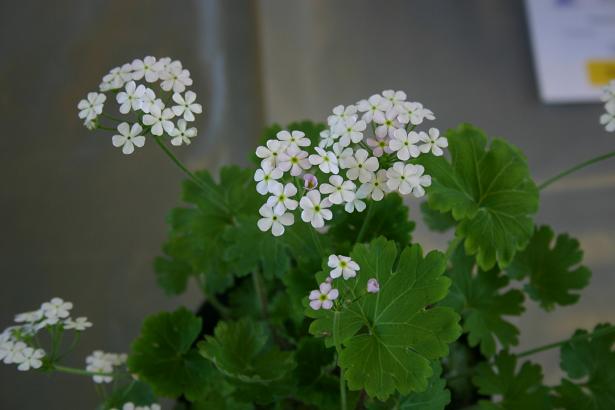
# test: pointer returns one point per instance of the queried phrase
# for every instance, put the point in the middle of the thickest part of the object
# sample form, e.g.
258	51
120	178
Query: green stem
81	372
316	241
597	333
224	311
260	293
213	195
368	217
575	168
343	399
338	348
110	117
102	127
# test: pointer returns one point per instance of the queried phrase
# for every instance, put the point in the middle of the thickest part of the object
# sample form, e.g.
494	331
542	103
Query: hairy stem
81	372
368	217
575	169
598	333
214	197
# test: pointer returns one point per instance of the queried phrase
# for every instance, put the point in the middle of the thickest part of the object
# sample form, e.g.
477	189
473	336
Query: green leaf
481	300
436	397
242	351
435	220
489	191
162	355
390	219
554	272
389	339
590	361
196	246
522	390
251	249
135	392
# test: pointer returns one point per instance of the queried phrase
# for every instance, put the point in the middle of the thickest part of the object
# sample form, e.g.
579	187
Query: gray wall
84	222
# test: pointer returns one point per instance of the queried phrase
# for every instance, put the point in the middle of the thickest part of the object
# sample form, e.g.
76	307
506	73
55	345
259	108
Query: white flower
79	324
373	286
395	97
342	266
379	146
267	178
181	134
116	78
186	105
339	191
350	130
315	211
56	309
608	119
414	113
356	204
29	317
12	352
323	297
387	123
295	160
274	222
91	107
148	99
129	137
404	144
148	68
341	114
342	154
327	138
159	120
101	362
432	142
360	166
271	152
294	139
175	78
407	178
376	188
31	359
131	98
608	92
374	104
281	200
326	161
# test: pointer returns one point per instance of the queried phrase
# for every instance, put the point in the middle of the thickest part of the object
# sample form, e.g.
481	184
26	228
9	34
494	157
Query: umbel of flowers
365	153
152	99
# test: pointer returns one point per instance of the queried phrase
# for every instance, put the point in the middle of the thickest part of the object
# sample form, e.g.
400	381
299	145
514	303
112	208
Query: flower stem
575	169
110	117
368	217
338	348
343	399
316	241
260	293
80	372
209	190
598	333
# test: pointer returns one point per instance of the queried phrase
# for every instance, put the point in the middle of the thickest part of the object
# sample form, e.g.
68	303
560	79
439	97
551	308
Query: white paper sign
573	44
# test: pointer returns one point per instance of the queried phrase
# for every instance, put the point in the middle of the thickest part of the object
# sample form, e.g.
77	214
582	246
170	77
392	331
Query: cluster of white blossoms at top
341	267
132	406
18	343
365	153
608	96
104	363
152	95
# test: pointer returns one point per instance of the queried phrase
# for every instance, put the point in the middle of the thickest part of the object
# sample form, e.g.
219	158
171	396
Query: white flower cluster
101	362
132	406
155	110
608	96
18	343
364	154
325	295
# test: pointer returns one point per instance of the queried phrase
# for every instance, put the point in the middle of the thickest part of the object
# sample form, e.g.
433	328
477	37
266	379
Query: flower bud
373	286
310	181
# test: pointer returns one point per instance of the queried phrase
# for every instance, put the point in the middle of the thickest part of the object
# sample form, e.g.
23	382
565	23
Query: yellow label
600	72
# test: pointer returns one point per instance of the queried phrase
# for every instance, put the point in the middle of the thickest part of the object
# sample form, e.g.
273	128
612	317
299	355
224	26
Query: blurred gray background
84	222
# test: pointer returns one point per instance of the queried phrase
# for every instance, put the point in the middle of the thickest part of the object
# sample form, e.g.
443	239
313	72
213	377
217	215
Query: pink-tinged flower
373	286
310	181
323	297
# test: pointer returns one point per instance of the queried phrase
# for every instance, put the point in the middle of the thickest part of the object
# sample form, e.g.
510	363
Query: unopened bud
373	286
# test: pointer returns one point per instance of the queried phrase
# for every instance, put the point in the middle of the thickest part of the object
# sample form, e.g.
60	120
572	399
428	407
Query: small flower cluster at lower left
19	344
149	108
325	296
